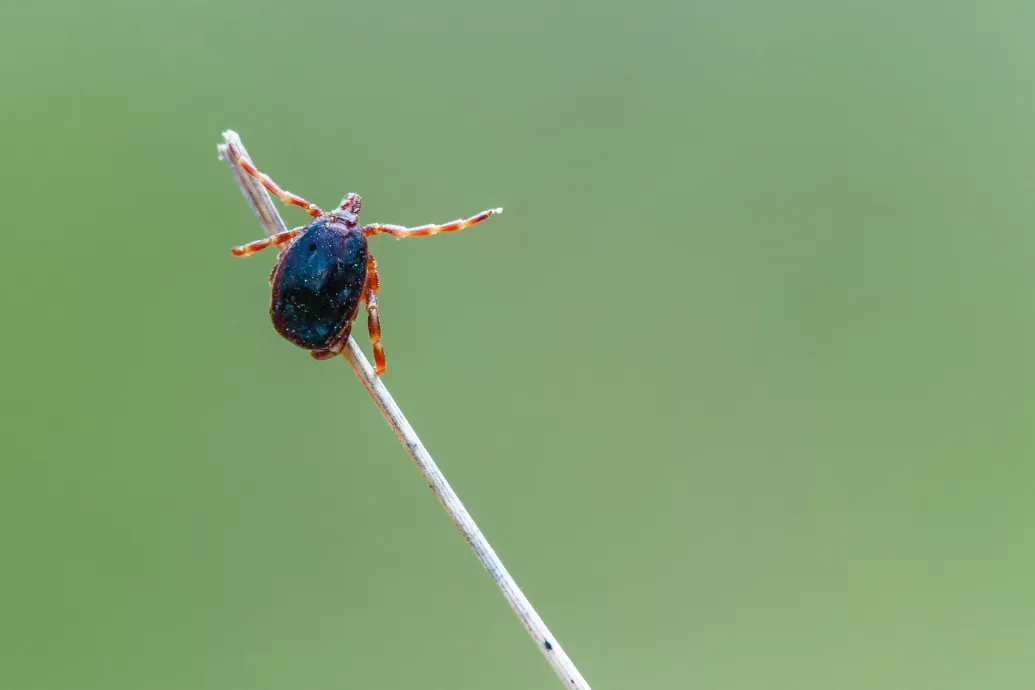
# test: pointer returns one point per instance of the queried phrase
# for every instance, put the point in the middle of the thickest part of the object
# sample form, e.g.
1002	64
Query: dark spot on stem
547	645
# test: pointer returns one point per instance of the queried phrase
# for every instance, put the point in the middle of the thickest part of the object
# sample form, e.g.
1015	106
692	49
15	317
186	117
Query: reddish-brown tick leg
326	354
373	281
283	195
373	320
374	328
272	240
421	230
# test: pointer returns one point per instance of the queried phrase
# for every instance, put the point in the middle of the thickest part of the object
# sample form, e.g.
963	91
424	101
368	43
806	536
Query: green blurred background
739	386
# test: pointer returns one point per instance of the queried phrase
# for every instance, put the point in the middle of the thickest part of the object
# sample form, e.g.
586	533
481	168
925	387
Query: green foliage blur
739	386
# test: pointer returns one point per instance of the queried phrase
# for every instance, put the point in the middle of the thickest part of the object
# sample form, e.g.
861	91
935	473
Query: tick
326	270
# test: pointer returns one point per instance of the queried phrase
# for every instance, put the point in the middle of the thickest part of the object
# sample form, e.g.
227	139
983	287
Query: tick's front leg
267	182
422	230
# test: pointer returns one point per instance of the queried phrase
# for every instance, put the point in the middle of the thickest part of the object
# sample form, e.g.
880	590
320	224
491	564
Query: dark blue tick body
318	284
327	270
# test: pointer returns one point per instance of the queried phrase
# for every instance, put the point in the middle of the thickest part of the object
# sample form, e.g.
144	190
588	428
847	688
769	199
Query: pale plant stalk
262	204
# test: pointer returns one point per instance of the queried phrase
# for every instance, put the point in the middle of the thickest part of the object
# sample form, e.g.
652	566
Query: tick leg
325	354
421	230
264	179
373	281
373	320
271	241
335	348
374	328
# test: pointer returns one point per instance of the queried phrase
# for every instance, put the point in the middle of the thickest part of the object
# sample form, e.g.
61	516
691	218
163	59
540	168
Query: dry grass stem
547	643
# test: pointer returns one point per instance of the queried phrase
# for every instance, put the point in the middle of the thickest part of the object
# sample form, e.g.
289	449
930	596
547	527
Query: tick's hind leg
421	230
327	354
284	195
335	348
373	320
271	241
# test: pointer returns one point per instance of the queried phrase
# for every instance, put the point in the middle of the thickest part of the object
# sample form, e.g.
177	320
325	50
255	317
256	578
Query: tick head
348	211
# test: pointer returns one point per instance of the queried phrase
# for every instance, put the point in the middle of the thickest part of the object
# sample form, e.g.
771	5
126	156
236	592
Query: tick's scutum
318	284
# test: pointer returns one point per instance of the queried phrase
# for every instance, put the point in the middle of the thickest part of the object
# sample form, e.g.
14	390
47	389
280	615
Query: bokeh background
739	386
